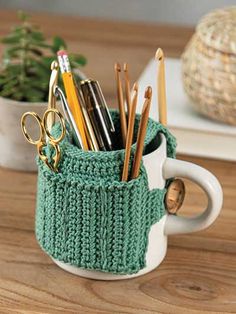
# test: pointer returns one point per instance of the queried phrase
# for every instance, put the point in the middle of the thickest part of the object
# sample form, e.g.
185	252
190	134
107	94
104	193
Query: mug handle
208	182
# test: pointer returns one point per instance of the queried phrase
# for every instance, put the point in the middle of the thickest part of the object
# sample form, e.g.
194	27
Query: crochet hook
130	133
161	88
69	117
127	90
123	123
141	133
51	98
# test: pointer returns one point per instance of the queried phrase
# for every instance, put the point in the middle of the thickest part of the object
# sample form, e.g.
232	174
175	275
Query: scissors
46	123
45	136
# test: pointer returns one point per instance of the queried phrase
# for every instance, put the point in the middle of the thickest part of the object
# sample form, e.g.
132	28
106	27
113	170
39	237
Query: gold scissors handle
46	125
41	138
45	136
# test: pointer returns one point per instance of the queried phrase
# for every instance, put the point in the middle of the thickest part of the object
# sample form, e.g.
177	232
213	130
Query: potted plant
24	79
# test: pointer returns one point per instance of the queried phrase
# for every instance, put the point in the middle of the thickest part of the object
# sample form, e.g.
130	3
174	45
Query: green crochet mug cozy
87	217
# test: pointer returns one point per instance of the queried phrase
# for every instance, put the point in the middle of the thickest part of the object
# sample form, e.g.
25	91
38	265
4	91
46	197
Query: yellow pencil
71	95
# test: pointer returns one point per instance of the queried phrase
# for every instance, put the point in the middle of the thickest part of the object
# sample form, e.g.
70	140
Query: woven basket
209	66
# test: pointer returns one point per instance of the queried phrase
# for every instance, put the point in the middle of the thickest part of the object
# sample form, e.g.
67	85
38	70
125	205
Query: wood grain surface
198	274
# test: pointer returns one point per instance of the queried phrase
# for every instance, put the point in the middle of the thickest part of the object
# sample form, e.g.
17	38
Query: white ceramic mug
159	168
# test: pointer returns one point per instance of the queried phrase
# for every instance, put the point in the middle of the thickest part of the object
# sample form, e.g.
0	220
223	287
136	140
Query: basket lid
218	30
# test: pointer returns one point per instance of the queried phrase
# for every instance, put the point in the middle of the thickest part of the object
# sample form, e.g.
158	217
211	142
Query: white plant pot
16	152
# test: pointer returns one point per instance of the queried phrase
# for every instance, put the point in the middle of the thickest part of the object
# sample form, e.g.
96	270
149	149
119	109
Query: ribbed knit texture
87	217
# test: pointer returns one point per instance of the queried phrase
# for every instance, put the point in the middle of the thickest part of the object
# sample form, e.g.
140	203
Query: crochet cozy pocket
87	217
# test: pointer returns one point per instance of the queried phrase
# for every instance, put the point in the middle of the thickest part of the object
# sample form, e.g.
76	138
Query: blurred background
185	12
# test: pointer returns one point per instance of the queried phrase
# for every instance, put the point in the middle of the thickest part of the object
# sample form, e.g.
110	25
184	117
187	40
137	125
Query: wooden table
199	271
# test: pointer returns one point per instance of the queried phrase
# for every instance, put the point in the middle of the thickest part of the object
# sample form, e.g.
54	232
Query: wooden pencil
141	133
130	133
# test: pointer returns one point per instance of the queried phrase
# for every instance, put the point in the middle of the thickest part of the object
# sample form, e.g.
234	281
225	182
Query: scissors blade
55	159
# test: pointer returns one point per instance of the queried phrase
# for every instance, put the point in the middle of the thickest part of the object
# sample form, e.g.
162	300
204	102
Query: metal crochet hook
51	95
69	117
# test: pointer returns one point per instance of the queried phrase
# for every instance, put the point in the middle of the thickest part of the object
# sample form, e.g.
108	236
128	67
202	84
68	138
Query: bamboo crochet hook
130	133
161	88
127	90
123	122
141	133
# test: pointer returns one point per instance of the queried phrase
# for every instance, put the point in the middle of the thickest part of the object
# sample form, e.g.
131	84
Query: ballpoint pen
103	106
94	103
92	141
72	96
161	88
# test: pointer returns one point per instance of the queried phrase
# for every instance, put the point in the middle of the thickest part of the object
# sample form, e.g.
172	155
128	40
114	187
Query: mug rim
161	142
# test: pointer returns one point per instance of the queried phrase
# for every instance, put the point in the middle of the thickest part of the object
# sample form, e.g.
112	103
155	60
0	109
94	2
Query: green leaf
58	43
46	61
22	15
13	50
11	39
78	60
5	80
12	73
41	86
36	51
40	44
38	65
11	84
18	95
19	29
37	36
25	69
8	92
33	94
13	70
7	58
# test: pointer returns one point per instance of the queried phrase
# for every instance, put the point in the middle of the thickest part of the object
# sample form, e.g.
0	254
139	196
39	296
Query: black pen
98	113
